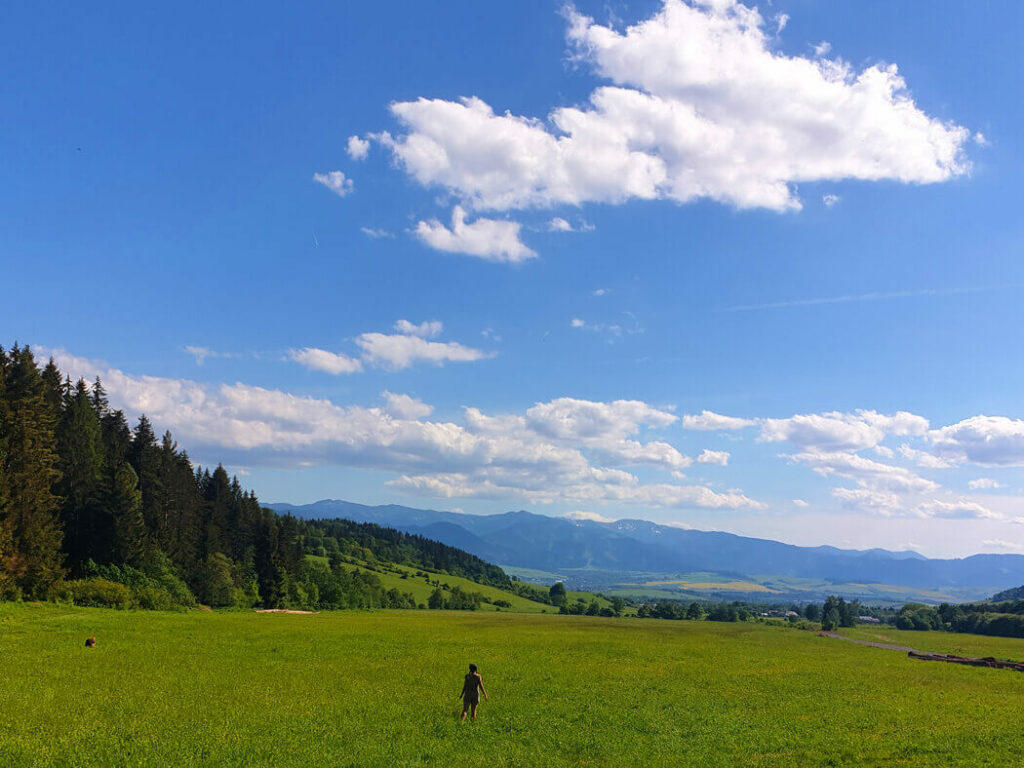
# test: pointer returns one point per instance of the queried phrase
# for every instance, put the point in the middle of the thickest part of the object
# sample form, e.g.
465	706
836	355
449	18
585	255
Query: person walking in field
471	689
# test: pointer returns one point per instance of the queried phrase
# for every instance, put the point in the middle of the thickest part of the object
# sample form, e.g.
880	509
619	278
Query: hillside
605	555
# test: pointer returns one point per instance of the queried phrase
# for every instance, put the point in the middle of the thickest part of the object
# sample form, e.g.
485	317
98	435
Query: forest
97	512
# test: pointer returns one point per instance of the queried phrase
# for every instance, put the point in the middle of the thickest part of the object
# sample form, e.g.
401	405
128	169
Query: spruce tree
31	471
87	524
8	587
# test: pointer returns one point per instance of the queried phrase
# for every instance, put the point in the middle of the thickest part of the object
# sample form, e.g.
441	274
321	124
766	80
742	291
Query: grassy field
380	689
942	642
390	575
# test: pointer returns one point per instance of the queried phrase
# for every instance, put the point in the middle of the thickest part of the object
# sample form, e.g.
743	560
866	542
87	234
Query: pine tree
31	470
125	504
8	587
87	524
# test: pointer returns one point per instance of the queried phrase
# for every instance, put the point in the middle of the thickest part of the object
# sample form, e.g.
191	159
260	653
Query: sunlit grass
380	689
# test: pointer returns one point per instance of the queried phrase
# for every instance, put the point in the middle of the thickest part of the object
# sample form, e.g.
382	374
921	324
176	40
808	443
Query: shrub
99	593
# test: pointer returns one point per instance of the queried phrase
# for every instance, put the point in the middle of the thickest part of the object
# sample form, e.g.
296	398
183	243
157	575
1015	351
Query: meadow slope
380	689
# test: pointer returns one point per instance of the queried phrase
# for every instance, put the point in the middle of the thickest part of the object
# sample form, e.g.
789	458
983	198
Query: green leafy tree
694	612
436	599
557	593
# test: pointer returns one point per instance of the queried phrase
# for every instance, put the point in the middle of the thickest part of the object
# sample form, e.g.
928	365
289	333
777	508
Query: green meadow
380	689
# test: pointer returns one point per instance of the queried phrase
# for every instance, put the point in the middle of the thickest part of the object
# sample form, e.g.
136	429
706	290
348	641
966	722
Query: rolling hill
610	551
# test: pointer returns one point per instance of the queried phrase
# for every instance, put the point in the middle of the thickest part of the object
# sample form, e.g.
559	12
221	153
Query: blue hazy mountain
526	540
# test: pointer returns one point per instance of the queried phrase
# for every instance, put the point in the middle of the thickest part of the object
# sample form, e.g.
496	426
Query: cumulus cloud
699	105
984	483
713	457
991	440
708	421
334	181
923	458
869	473
399	350
405	406
357	148
427	329
322	360
957	510
829	200
488	239
558	224
577	457
394	351
835	431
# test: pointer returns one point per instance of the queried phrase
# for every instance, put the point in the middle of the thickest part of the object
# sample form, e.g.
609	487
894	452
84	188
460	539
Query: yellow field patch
730	586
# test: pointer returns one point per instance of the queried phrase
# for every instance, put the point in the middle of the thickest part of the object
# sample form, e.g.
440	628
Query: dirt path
868	643
913	653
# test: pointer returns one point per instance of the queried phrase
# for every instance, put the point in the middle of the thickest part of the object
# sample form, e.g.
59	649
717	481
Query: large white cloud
700	106
489	239
990	440
502	457
836	431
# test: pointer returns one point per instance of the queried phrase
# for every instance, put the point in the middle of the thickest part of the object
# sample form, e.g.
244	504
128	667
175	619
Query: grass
390	575
380	689
942	642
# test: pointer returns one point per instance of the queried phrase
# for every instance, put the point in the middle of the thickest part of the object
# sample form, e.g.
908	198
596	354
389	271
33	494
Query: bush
99	593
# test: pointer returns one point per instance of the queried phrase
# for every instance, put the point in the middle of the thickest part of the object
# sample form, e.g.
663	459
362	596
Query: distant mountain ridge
527	540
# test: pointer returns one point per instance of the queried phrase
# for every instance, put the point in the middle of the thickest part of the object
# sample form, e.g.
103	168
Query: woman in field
471	690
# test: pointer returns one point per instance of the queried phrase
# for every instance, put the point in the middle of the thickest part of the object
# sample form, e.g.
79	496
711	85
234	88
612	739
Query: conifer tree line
97	511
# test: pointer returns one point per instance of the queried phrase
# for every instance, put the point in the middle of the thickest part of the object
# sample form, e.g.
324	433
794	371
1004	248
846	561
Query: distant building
868	620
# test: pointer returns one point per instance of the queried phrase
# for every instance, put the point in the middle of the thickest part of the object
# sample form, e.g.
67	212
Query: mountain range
526	540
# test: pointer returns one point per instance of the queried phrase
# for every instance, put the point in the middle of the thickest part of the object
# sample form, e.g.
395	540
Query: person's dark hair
472	667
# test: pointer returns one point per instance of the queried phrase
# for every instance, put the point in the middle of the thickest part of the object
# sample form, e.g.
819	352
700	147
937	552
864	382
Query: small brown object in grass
90	642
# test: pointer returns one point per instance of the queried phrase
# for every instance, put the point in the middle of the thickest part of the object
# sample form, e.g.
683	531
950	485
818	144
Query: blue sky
665	209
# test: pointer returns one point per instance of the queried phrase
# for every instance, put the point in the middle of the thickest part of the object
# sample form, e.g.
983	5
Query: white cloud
558	224
399	350
1000	544
873	475
591	516
334	181
601	292
499	457
357	148
923	458
708	420
990	440
829	200
568	417
800	503
489	239
200	353
713	457
427	329
956	510
699	106
405	406
984	483
884	451
837	431
322	360
376	234
822	48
